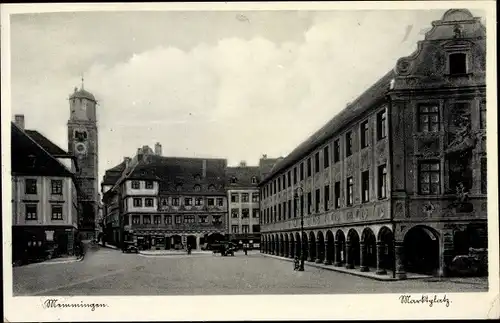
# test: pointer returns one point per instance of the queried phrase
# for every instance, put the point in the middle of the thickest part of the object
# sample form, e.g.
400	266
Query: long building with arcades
396	182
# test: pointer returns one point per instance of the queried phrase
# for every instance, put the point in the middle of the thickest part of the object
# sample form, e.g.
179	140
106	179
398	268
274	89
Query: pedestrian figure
189	249
296	263
245	250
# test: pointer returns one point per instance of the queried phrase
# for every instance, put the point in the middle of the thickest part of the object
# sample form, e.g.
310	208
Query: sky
225	84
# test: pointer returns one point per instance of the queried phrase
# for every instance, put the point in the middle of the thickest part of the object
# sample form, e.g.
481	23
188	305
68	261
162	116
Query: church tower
83	144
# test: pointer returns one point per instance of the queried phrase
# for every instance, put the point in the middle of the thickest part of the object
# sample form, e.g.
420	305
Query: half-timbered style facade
396	182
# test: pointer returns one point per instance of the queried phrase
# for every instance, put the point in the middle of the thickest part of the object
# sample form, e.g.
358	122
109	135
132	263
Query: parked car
130	248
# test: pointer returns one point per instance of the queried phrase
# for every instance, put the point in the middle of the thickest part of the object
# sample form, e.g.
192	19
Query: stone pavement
108	272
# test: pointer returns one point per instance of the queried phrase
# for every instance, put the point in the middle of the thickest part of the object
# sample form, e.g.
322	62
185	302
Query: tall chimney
204	168
127	161
19	120
158	149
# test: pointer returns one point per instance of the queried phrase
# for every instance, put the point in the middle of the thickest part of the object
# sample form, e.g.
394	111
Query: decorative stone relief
398	210
403	66
337	217
358	214
428	208
349	216
381	212
364	214
428	146
365	158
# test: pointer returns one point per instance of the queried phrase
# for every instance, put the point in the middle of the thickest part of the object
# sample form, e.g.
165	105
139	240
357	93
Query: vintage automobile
130	247
224	248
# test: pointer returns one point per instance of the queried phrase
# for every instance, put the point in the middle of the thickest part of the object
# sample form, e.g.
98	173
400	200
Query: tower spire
82	82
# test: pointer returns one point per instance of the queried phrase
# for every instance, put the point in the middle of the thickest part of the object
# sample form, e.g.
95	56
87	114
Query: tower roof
82	94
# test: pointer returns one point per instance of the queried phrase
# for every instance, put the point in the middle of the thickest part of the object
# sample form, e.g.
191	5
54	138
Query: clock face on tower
80	149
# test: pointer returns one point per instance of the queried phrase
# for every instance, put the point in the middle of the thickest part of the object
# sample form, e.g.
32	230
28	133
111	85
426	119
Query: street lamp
298	193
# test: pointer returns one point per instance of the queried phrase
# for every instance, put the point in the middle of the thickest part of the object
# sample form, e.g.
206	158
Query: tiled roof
30	158
181	172
46	144
112	175
362	104
243	176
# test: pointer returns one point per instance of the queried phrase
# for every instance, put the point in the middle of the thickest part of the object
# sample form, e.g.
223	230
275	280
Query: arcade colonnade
349	247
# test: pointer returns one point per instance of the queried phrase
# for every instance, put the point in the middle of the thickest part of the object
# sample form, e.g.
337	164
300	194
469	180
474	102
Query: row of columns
322	254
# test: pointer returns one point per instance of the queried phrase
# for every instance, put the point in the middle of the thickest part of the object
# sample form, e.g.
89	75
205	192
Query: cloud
234	97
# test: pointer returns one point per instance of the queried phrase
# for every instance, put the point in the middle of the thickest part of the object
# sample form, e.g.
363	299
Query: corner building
397	181
165	202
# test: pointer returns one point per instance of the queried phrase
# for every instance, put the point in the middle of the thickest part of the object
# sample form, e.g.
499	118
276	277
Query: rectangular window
309	170
245	213
245	228
149	185
326	198
348	144
157	219
137	202
146	219
210	202
136	185
350	186
275	214
429	178
316	162
289	178
289	209
175	201
365	186
255	228
337	195
56	185
188	201
234	229
284	211
136	219
364	134
381	125
294	208
382	182
149	202
279	184
301	171
275	186
234	198
484	176
220	201
309	202
428	118
326	157
203	219
255	213
458	63
295	175
317	200
168	219
31	212
178	219
235	213
336	151
482	115
244	198
30	187
199	201
279	212
255	197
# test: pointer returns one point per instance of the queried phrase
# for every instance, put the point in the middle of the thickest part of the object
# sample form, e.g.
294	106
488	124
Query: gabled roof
30	158
243	176
112	175
361	105
46	144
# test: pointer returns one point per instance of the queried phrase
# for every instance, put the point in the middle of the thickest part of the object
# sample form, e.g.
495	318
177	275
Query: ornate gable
452	54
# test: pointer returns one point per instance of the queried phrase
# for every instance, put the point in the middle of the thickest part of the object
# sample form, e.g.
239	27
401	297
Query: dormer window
136	185
178	188
197	188
233	180
458	63
211	187
254	180
197	178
